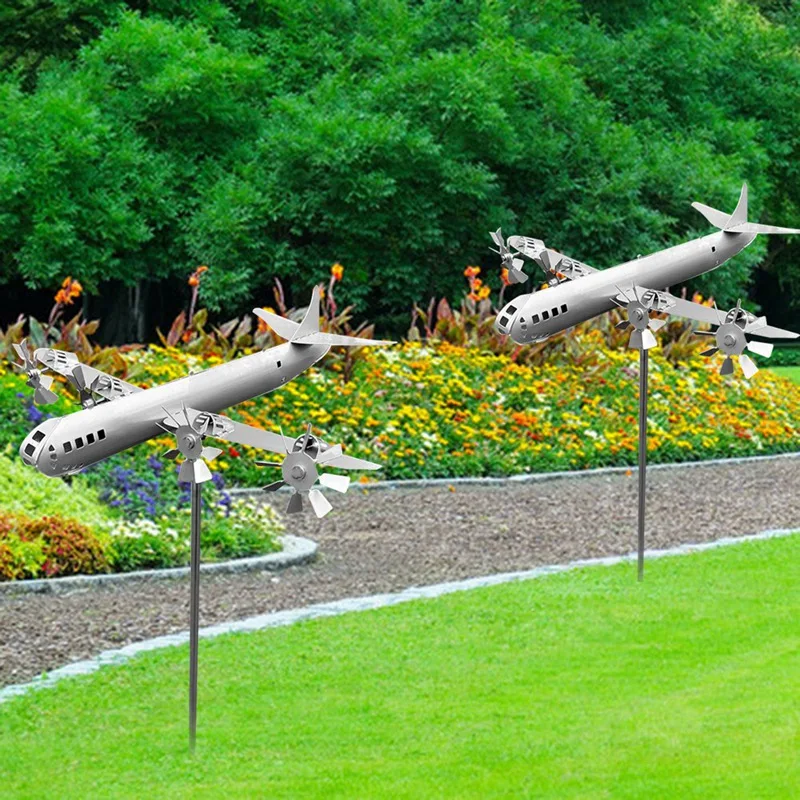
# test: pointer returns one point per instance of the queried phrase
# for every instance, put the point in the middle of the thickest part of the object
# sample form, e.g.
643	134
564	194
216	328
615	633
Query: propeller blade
319	503
210	453
80	378
330	454
349	462
657	324
727	367
648	340
273	487
43	397
762	348
635	341
338	483
200	470
268	463
305	438
45	381
517	276
622	326
497	237
710	352
295	504
172	454
186	475
748	366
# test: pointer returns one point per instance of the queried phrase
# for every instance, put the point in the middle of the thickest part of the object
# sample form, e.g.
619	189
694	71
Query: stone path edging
296	550
349	604
532	477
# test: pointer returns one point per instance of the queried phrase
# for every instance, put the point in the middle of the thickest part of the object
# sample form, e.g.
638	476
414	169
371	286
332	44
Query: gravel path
389	540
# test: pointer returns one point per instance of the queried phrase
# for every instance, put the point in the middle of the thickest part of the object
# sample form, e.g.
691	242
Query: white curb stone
292	616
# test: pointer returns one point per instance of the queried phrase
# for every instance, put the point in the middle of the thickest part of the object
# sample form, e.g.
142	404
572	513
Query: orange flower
471	272
187	335
68	292
504	276
337	270
194	278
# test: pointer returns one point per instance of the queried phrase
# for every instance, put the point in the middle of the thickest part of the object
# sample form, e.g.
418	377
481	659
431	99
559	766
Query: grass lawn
581	684
793	373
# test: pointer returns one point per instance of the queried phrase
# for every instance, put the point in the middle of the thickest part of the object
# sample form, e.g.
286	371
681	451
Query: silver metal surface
644	365
194	610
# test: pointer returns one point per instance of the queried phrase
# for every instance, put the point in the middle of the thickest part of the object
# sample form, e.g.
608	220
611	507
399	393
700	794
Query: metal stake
643	369
194	611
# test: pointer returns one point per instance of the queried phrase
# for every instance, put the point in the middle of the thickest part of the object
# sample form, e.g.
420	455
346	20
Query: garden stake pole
194	611
643	368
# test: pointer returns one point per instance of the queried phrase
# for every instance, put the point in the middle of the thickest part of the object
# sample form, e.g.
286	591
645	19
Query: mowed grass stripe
580	684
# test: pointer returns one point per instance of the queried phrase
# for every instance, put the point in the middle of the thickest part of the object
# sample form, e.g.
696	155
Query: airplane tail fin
308	332
737	222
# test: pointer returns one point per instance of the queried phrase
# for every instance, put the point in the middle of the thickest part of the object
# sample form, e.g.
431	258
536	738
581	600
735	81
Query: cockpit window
29	449
511	310
38	436
504	321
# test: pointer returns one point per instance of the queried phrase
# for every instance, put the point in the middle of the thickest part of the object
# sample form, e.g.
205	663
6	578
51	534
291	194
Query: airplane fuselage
65	445
537	316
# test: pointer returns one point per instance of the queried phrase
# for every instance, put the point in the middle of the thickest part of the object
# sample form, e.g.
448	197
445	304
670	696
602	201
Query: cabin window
279	365
89	438
79	442
713	249
564	309
534	319
67	447
101	434
30	449
555	312
545	315
38	436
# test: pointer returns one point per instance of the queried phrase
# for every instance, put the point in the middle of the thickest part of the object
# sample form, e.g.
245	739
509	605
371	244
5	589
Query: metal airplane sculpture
117	415
579	292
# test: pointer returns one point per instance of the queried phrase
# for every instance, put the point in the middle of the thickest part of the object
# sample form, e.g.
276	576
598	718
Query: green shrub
68	547
25	491
785	356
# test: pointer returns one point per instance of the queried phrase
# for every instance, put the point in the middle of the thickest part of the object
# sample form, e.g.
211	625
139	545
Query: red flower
233	452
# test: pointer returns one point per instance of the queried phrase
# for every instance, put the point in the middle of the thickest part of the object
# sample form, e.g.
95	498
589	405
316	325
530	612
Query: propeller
189	438
85	390
40	383
639	319
300	471
731	340
513	265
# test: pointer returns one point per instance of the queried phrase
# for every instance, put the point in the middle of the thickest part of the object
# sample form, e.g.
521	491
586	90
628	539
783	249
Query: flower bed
425	410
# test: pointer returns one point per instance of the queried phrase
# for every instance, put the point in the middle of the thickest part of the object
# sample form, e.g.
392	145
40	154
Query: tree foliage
275	137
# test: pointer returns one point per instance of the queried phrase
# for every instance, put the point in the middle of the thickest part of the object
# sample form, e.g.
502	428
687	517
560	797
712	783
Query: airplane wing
553	263
666	303
83	377
219	426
